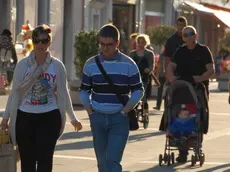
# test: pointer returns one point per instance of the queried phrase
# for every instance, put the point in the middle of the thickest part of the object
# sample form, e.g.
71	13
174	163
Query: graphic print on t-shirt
39	94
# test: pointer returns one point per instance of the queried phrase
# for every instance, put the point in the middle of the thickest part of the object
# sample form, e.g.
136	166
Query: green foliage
225	42
86	46
160	33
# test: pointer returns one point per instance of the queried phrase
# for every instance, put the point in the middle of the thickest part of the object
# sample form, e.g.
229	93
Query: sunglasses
185	35
43	41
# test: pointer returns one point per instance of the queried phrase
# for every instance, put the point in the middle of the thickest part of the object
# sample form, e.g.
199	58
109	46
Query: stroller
178	93
142	108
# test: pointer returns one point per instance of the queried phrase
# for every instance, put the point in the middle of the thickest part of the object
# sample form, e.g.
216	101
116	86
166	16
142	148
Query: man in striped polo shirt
108	117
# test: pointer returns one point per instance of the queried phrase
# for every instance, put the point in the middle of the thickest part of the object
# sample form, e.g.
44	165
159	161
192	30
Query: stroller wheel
173	157
165	158
160	159
145	121
169	160
202	159
193	160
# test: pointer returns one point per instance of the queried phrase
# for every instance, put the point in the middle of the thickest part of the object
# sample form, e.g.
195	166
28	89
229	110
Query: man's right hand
4	124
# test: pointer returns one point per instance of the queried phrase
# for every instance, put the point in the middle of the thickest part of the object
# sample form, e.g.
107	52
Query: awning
198	7
223	16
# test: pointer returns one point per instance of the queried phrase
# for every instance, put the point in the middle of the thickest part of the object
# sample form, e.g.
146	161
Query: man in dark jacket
169	49
192	62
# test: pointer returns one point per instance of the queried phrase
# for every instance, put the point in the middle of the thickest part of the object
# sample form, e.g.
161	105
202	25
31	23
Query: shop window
95	21
151	21
123	19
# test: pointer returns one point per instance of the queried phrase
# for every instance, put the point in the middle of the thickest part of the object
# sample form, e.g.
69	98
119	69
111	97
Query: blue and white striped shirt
97	93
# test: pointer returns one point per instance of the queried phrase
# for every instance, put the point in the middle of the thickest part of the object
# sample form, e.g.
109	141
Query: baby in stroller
183	126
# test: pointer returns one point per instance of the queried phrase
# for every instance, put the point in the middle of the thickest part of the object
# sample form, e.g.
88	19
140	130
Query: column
20	15
56	16
43	11
86	14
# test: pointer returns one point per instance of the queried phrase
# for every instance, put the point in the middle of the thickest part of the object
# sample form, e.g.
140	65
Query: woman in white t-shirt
38	104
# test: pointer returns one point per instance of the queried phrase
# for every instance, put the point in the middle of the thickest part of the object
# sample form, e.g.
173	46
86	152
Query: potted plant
158	37
159	34
86	46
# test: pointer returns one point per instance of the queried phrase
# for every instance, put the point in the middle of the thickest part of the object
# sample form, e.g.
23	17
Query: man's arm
166	63
208	74
85	89
171	67
136	85
170	71
209	65
167	52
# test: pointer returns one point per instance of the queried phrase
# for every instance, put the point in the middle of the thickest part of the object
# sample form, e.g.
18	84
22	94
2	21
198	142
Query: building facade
210	19
159	12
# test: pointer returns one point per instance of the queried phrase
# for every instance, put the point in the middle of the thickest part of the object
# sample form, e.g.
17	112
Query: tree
86	46
160	33
225	41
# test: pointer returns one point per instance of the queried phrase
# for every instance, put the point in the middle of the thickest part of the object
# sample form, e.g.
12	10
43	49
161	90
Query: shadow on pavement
76	135
217	168
141	137
171	168
78	107
75	145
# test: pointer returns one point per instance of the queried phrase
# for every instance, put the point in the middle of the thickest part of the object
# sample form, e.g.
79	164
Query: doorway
124	19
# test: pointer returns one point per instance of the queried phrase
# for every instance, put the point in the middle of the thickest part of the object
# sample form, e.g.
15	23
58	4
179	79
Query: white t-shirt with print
42	97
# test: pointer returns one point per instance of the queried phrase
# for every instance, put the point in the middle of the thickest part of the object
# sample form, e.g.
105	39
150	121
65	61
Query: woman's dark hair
6	32
182	19
111	31
42	29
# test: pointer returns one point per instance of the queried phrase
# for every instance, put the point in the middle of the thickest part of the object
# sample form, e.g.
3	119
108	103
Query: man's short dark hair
111	31
182	19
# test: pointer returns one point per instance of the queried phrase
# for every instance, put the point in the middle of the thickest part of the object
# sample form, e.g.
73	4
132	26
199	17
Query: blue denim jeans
110	135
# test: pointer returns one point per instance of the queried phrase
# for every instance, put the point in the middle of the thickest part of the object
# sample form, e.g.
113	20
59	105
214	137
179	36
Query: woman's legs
36	136
48	130
25	136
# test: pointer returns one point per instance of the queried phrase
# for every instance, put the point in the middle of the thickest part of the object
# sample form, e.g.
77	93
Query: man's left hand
197	79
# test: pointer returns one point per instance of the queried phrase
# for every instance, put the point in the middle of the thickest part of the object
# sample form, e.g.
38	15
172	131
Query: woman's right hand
4	124
76	124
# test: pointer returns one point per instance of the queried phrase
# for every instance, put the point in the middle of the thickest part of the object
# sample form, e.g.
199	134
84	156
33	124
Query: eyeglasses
185	35
106	45
43	41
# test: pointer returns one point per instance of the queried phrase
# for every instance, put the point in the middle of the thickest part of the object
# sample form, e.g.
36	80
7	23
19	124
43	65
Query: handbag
133	119
8	154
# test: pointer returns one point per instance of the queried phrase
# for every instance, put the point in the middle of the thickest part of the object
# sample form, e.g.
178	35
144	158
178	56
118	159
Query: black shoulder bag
133	120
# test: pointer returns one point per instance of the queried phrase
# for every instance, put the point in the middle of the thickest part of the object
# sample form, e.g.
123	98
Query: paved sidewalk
74	151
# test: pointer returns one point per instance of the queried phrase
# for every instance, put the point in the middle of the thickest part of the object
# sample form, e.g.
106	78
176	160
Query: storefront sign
125	1
96	4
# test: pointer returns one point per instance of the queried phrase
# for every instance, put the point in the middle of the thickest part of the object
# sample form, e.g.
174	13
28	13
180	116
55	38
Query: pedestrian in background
38	104
170	47
8	54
